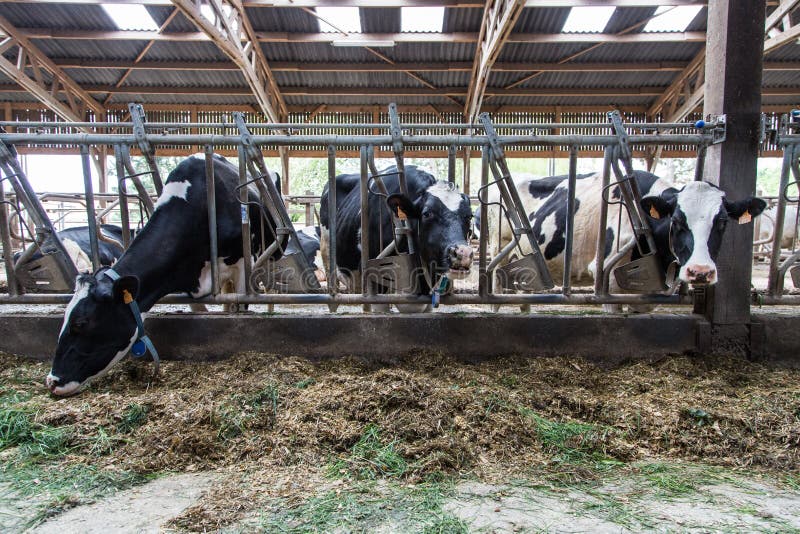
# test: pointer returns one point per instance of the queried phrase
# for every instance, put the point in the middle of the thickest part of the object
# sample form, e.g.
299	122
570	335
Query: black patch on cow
609	242
644	180
544	187
556	204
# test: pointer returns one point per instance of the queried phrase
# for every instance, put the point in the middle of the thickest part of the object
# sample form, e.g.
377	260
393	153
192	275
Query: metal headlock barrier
388	278
787	136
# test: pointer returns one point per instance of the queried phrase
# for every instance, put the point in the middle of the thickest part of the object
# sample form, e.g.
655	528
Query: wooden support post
733	86
284	153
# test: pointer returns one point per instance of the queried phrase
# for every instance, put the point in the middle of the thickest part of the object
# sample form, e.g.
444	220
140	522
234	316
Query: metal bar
333	275
570	229
133	176
8	251
90	212
393	298
451	164
599	267
357	140
364	225
775	282
247	253
124	215
211	202
701	163
484	281
161	126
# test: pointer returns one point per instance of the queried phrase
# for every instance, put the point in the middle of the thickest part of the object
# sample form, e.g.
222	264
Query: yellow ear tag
654	212
127	298
745	217
401	214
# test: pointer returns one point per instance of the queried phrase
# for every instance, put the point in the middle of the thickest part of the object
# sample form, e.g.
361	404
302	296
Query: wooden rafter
499	17
232	33
361	38
42	78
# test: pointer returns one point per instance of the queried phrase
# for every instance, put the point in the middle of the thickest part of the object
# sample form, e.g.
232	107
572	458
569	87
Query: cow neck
158	273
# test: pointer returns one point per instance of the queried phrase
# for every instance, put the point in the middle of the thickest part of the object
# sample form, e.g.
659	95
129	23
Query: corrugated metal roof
186	78
317	52
787	78
345	79
380	20
187	99
567	101
183	51
541	20
596	79
539	52
367	100
641	52
179	24
57	16
462	19
285	19
789	52
434	52
59	48
625	17
95	76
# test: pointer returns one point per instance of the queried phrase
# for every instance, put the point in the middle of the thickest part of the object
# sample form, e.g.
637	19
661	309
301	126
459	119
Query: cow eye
427	214
79	325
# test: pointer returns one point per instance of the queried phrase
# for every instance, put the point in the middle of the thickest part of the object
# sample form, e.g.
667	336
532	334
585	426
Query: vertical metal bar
90	214
247	253
364	226
600	259
451	164
211	201
570	229
701	163
333	274
8	252
484	282
775	283
124	215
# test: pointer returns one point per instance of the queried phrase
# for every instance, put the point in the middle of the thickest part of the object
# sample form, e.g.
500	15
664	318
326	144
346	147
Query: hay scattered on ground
419	417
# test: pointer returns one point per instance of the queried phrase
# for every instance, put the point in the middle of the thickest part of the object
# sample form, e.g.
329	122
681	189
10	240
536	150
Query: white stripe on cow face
700	202
81	292
173	190
444	192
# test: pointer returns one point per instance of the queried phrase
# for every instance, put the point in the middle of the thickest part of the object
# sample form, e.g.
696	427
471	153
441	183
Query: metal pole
247	252
124	215
365	290
600	288
333	274
484	281
90	213
451	164
211	201
775	282
8	252
570	229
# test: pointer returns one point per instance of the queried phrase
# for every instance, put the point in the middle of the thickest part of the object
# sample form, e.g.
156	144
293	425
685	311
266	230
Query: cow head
440	218
690	223
99	328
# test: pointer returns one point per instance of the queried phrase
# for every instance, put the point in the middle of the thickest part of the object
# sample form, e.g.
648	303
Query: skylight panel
588	19
422	19
346	19
130	16
672	19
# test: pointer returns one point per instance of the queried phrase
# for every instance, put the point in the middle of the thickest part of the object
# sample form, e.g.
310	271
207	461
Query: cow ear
402	207
126	289
658	207
745	210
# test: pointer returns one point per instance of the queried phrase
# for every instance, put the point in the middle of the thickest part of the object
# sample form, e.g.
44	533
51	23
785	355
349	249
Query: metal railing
479	137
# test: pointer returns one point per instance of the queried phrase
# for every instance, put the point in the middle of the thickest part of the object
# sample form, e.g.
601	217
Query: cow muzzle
460	258
699	274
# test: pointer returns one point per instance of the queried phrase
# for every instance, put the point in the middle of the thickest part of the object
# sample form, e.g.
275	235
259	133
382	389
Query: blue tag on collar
139	348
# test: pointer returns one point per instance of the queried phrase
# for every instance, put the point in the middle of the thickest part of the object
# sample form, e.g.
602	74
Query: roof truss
42	78
499	17
232	33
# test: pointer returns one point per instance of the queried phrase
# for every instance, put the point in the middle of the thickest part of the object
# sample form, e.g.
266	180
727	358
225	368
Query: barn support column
734	57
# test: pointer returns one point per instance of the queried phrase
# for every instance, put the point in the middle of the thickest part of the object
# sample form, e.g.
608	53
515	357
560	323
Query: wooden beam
499	17
610	92
76	101
359	39
232	33
456	66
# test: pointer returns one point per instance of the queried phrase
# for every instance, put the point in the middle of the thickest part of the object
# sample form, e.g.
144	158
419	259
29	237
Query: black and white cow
687	222
439	215
169	255
77	243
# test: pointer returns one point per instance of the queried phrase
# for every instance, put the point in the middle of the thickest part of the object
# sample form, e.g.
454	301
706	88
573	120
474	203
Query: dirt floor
423	444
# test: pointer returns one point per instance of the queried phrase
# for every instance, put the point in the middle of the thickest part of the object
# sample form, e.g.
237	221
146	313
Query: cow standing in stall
169	255
687	223
438	213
